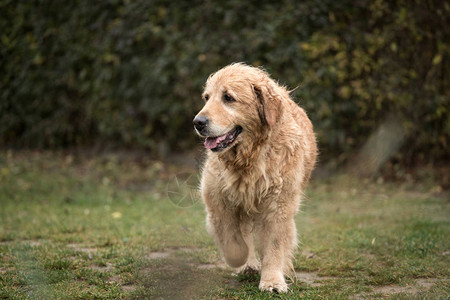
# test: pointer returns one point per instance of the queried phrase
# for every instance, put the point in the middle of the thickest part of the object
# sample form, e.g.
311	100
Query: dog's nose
200	122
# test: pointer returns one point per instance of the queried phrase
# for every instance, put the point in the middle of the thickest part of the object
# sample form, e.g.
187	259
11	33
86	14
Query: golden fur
254	186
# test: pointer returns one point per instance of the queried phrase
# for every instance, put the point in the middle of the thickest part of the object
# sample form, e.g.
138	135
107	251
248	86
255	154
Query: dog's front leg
223	225
277	239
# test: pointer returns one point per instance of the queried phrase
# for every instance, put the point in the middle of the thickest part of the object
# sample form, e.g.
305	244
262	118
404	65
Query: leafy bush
130	73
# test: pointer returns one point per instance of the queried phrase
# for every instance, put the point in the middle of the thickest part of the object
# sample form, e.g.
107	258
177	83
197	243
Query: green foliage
131	72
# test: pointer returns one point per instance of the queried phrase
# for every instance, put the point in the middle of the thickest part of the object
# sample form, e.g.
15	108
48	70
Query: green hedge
130	73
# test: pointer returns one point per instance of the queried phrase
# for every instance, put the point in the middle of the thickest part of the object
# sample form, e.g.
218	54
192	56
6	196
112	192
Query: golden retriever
261	151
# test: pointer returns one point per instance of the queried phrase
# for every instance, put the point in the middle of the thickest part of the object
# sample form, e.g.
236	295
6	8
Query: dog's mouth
219	143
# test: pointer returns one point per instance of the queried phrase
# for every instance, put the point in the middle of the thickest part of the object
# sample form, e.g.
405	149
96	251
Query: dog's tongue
212	142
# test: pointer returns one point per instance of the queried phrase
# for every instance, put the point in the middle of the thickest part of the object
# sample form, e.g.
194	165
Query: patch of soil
106	268
157	255
217	265
82	249
421	284
88	250
187	249
129	287
426	283
174	276
165	253
417	286
312	279
114	279
177	278
33	243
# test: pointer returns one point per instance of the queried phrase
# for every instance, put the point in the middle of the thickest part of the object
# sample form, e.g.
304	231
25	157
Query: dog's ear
269	104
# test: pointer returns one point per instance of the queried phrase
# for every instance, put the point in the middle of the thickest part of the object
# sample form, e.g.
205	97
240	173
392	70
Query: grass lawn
114	226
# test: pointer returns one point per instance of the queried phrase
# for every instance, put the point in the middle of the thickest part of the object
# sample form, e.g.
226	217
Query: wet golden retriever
261	151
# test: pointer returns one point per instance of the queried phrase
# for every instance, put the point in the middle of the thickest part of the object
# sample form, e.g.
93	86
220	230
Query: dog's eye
206	97
228	98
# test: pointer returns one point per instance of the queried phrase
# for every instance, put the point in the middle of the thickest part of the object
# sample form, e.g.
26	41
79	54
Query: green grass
106	227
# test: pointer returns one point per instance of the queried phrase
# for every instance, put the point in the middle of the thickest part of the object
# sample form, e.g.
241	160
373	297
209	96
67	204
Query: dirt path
172	274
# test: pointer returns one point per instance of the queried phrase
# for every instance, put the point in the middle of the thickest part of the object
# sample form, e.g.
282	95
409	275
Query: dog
261	150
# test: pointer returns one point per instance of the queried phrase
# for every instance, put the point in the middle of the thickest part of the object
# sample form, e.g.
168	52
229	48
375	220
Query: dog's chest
250	191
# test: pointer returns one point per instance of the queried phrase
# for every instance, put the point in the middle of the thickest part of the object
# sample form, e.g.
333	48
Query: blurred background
99	160
374	76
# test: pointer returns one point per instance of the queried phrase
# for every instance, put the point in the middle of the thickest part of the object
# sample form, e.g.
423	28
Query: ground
123	226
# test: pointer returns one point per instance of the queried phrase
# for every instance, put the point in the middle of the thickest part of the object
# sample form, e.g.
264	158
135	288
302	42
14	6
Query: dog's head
241	103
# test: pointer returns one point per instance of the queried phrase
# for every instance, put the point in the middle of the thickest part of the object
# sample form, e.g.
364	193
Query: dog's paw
251	267
247	270
273	286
